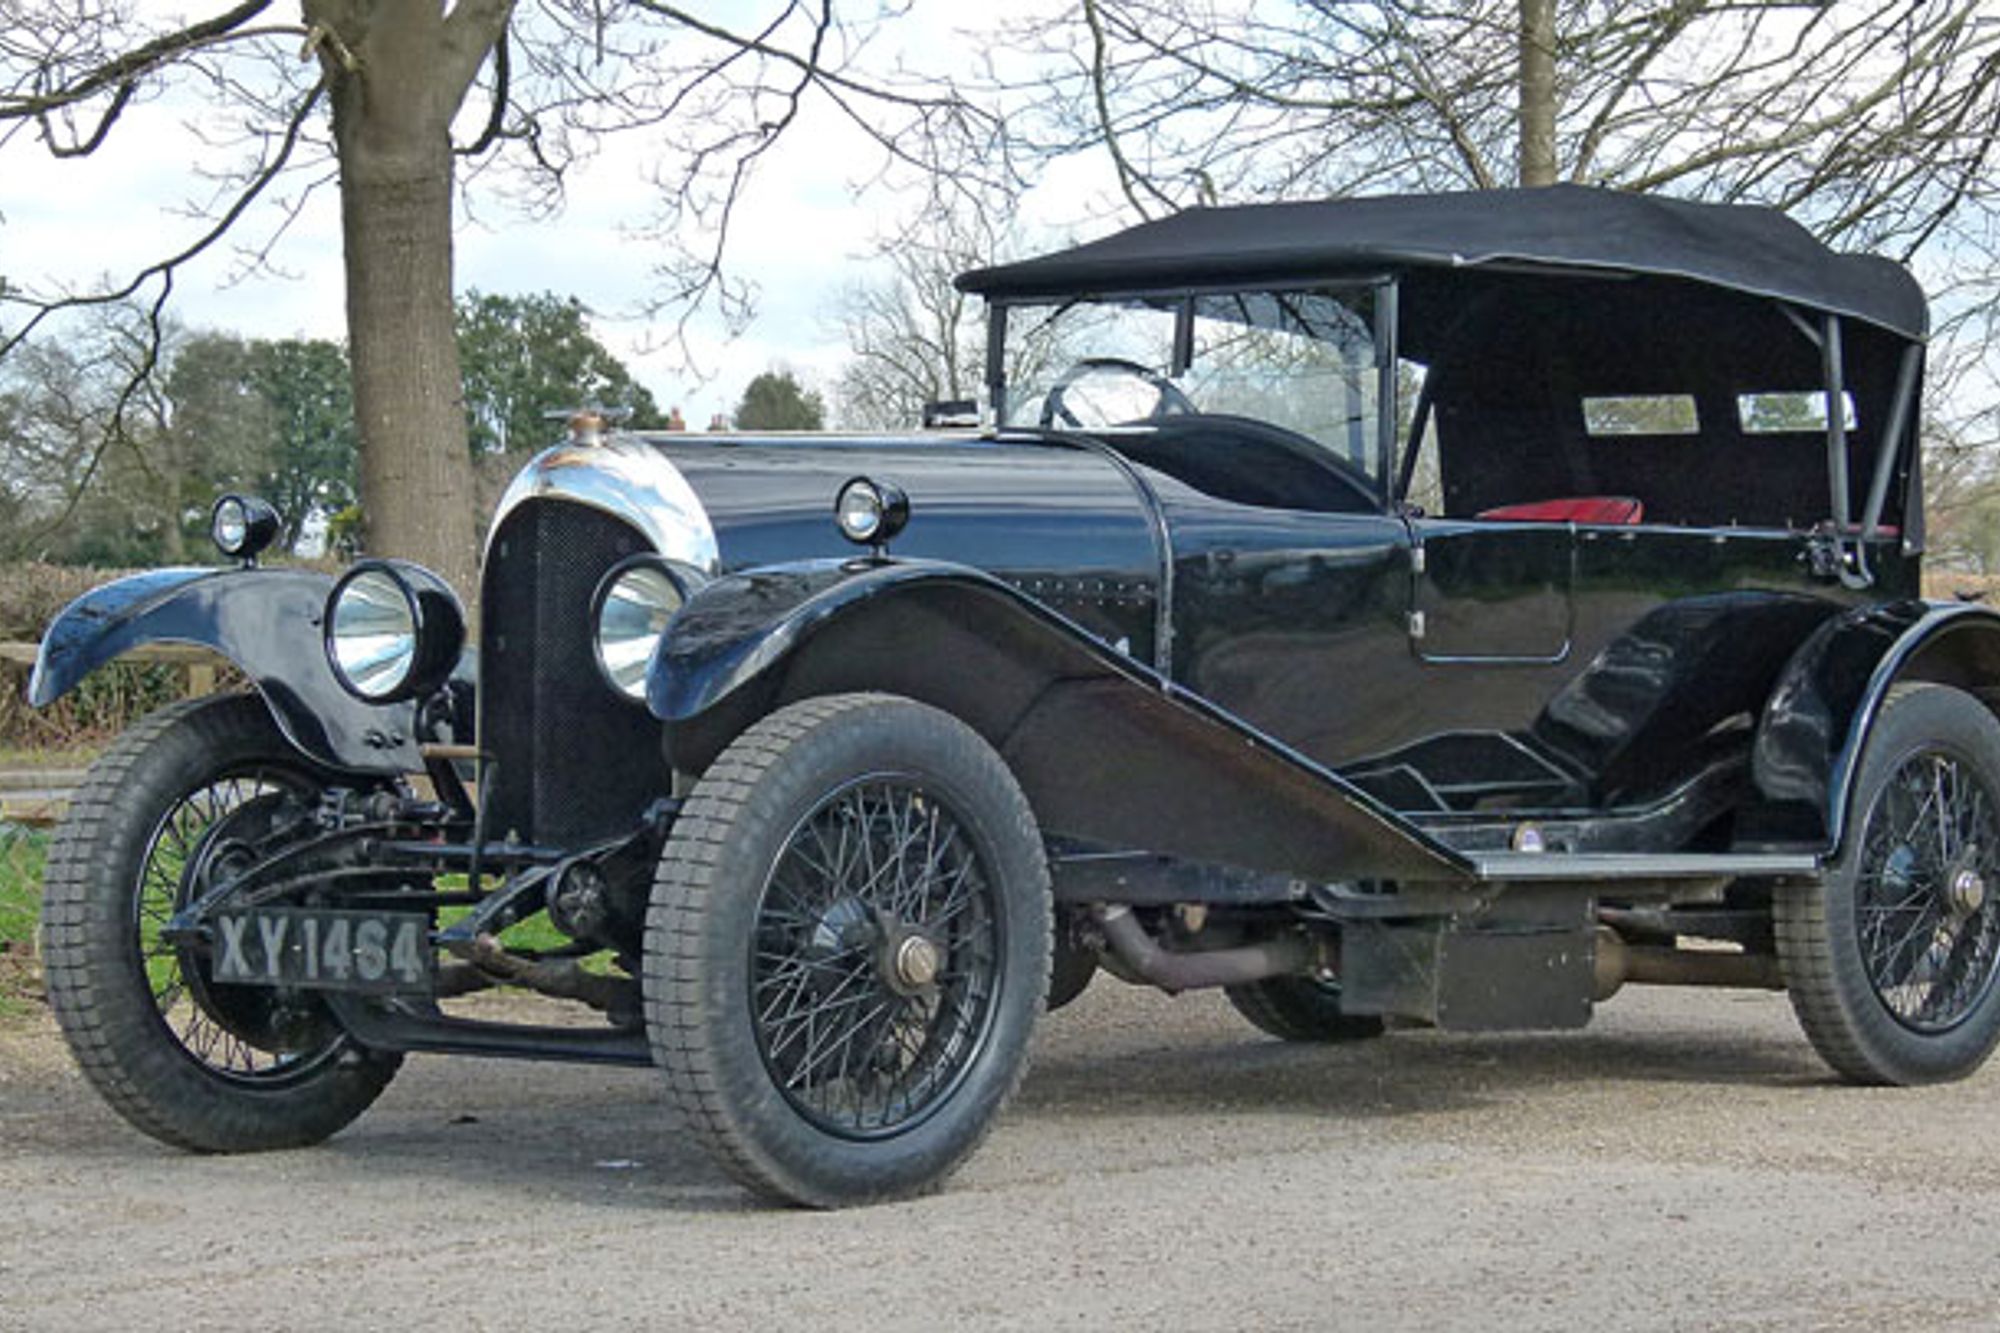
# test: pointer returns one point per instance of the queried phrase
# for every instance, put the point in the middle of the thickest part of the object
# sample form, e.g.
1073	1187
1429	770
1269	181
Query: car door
1487	591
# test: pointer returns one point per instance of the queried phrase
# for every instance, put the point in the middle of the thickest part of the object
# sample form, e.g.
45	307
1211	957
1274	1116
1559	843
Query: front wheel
1891	959
201	1066
847	947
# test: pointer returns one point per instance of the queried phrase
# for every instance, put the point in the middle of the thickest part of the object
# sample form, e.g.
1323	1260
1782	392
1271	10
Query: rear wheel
213	1068
1891	959
847	947
1301	1009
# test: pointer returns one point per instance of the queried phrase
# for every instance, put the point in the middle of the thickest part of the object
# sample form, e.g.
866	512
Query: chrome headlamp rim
626	675
417	614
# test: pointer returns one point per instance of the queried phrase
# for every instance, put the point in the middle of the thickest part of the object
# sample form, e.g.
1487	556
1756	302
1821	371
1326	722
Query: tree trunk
392	111
416	471
1538	92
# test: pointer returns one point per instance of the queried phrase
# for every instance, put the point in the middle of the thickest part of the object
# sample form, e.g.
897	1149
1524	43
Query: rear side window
1789	411
1642	414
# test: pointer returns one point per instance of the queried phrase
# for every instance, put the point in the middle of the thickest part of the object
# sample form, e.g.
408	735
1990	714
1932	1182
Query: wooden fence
200	662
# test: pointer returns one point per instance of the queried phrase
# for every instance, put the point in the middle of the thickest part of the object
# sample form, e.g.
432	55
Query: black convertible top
1565	227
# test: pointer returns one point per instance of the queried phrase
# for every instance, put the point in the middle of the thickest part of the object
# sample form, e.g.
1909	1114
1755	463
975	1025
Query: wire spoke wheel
846	950
875	958
240	1034
189	797
1926	915
1891	956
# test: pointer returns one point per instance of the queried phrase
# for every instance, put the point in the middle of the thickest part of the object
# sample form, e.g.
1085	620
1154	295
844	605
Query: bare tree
1872	121
189	427
1538	92
913	338
373	109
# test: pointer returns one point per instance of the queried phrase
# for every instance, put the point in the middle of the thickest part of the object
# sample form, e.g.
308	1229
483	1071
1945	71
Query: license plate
324	950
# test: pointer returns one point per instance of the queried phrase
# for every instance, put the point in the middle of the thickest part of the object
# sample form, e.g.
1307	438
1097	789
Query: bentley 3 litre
1445	609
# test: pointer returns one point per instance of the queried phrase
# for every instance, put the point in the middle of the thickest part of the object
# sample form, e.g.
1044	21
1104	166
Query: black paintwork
1706	685
1223	667
266	621
1105	749
1818	712
1062	523
1562	670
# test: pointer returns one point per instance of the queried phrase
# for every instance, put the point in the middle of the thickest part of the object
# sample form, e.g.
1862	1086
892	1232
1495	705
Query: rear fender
1816	723
267	622
1106	750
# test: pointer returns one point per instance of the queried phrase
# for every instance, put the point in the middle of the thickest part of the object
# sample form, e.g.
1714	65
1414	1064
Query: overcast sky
804	232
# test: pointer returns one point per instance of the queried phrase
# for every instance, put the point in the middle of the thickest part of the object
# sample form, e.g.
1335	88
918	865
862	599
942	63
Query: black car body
1435	607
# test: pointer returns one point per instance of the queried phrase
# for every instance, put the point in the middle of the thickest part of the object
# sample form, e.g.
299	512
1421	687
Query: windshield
1299	359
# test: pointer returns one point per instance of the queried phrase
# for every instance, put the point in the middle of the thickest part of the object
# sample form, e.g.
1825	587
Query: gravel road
1684	1163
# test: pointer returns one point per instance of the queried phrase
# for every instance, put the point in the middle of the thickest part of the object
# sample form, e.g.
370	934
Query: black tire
205	1068
753	900
1301	1009
1891	959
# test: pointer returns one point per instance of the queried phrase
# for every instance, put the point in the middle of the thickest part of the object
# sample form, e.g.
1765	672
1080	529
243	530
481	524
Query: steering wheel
1172	400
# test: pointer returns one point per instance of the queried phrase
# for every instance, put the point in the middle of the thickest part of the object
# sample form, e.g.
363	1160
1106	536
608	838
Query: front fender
1816	722
266	621
735	630
1106	750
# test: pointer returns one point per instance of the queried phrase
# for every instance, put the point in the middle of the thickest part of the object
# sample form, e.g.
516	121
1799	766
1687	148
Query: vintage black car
1445	609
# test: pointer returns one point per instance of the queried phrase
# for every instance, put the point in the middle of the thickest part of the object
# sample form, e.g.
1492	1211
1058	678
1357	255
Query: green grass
21	855
534	933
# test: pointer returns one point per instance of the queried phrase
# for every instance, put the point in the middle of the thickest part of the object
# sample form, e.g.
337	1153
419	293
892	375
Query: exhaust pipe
1286	955
1619	963
487	962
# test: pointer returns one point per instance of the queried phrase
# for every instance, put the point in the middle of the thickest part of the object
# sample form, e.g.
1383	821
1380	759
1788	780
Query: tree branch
135	64
164	271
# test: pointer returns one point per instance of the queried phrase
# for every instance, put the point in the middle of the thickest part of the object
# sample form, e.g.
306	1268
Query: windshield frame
1182	298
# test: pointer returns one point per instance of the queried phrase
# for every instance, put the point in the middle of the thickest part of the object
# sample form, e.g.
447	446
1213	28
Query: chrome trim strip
629	480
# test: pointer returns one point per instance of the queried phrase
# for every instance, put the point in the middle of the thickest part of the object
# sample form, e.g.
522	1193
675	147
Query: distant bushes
106	703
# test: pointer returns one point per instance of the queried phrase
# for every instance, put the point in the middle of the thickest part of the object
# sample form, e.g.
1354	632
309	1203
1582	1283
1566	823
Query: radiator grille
574	759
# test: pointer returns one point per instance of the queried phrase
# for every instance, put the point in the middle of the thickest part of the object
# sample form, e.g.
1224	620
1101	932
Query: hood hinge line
1163	540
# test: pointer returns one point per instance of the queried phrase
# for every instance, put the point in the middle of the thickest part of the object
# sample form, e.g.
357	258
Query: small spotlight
242	527
870	513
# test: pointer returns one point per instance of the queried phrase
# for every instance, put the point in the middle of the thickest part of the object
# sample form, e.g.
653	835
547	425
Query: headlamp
630	611
393	630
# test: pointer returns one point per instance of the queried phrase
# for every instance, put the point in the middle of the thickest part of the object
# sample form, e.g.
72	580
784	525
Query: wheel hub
915	962
1966	892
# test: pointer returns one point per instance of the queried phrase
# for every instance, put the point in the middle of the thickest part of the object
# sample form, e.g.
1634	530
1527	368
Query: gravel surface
1683	1163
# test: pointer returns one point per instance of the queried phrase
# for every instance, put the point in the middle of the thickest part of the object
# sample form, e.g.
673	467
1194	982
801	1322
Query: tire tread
1835	1003
124	1060
709	823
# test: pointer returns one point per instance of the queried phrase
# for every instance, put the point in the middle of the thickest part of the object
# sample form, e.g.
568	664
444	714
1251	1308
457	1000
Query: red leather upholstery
1607	509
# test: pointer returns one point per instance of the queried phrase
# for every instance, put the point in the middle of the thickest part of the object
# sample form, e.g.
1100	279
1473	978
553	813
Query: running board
1558	867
